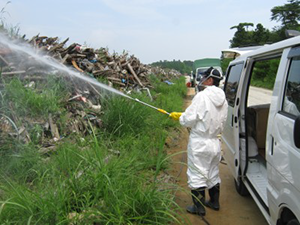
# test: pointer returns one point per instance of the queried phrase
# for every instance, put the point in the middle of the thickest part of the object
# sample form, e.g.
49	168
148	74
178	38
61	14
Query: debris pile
80	113
82	104
165	74
121	70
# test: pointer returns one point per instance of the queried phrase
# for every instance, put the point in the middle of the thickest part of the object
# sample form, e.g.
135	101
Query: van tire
240	187
293	222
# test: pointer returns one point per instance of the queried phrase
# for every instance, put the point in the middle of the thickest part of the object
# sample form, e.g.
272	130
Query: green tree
242	36
288	14
260	35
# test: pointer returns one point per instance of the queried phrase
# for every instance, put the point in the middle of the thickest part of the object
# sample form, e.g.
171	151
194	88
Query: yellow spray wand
160	110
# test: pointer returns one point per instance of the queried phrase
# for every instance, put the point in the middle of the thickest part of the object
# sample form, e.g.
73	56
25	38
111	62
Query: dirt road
259	96
235	209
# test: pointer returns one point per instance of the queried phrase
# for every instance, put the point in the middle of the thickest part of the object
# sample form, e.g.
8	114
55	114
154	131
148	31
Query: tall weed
28	102
123	116
88	184
20	162
108	177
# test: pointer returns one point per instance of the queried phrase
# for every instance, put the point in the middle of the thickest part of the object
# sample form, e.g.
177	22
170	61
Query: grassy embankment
105	177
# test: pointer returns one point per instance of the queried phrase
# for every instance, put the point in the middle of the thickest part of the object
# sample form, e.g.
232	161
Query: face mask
201	86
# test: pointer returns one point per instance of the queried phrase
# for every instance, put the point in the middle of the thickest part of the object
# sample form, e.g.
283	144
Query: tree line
183	67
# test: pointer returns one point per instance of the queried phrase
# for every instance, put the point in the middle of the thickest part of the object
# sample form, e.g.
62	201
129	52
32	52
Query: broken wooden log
53	128
4	60
134	74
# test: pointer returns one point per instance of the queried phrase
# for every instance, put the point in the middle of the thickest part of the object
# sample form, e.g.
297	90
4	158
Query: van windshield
201	71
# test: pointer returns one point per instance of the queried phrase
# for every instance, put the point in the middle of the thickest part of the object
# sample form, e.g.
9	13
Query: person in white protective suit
206	117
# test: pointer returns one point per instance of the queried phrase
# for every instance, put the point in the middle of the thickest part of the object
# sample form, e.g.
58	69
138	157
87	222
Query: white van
261	138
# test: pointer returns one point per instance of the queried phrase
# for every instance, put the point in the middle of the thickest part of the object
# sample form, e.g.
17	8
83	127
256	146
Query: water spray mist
24	48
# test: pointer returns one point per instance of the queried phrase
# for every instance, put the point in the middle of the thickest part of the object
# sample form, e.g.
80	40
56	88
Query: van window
291	101
233	78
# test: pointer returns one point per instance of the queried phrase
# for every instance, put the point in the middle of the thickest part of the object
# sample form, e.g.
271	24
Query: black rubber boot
198	197
214	194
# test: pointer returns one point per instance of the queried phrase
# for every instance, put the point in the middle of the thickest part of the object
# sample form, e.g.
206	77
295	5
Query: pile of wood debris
122	71
119	69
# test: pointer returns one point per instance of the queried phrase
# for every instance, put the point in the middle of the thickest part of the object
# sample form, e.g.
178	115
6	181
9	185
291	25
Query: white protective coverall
206	117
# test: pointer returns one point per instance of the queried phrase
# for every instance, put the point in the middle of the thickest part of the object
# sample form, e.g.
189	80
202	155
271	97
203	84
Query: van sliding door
230	133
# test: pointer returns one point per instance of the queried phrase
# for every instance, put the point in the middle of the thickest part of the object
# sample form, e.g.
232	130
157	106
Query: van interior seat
257	120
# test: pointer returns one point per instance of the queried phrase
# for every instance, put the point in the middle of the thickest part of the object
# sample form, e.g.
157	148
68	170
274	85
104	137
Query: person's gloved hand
175	115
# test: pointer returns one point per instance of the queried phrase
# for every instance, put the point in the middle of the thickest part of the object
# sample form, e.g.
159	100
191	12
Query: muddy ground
235	209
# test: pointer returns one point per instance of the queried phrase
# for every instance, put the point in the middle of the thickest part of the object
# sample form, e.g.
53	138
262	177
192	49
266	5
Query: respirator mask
206	76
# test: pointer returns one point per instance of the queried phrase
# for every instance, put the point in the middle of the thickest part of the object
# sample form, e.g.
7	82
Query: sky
151	30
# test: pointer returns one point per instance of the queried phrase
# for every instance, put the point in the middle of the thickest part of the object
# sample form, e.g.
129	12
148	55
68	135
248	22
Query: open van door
231	131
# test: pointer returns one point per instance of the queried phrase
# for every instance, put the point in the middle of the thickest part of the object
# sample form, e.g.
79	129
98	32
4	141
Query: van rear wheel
240	187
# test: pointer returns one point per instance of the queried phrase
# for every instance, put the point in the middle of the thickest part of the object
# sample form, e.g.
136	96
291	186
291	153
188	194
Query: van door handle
234	119
273	142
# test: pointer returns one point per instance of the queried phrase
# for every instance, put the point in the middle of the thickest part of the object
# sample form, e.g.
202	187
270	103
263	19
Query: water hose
151	106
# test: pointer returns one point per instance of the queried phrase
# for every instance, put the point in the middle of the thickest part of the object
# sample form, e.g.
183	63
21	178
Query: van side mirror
297	132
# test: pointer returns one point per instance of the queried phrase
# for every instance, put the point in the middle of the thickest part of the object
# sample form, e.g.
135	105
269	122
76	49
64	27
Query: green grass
30	102
19	161
113	189
31	106
123	116
106	177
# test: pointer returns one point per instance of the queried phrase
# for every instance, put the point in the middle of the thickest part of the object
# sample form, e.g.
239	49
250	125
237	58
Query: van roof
236	52
276	47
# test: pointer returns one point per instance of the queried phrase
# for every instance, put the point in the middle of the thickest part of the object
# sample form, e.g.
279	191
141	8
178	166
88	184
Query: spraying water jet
26	49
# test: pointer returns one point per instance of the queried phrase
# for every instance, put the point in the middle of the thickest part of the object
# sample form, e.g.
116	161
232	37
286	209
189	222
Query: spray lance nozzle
163	111
146	104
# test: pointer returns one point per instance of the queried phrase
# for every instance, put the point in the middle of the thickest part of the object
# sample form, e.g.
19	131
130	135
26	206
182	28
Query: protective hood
216	95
